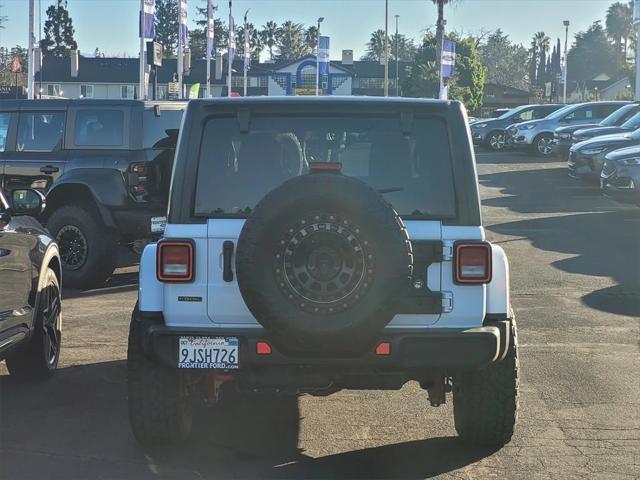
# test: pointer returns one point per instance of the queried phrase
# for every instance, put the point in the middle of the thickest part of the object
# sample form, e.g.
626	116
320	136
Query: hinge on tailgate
447	302
447	250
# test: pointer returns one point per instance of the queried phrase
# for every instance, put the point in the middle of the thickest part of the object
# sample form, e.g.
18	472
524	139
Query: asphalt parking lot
575	263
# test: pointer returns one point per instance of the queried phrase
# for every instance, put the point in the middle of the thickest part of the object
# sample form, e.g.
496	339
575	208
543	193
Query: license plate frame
217	353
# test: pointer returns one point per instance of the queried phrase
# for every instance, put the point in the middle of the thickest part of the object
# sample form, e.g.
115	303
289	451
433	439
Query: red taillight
139	168
263	348
473	263
383	348
139	189
325	166
175	262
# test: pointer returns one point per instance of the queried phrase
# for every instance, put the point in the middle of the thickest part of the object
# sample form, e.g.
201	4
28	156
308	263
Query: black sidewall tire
160	411
536	145
494	133
32	360
101	246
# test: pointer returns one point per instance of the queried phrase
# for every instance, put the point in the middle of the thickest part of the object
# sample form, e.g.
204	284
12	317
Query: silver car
538	134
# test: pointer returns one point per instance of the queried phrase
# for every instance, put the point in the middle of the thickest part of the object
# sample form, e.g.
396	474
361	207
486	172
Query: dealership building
117	78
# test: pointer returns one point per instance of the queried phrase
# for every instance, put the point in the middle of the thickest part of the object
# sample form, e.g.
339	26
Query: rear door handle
227	255
49	169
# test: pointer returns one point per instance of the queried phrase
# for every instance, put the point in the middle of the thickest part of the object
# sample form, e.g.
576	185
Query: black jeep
104	166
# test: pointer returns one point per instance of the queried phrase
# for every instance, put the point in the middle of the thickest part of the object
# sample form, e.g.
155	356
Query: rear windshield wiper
390	190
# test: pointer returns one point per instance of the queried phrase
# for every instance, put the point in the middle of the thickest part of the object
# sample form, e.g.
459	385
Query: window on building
308	77
86	91
366	82
54	90
238	81
5	120
129	91
99	128
263	81
40	131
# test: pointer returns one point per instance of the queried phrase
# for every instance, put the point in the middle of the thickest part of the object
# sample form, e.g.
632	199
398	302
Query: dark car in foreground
565	137
104	166
30	280
620	177
586	159
491	132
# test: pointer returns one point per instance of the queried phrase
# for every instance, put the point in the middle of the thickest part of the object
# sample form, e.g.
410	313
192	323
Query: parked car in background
620	176
586	159
565	137
538	135
104	166
30	280
631	125
491	132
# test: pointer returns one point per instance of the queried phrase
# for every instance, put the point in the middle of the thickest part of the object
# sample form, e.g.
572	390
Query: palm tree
375	46
619	23
440	28
542	42
291	43
270	35
311	37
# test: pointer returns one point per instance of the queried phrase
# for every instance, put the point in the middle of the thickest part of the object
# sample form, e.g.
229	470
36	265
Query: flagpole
30	58
141	87
246	46
229	55
209	43
386	48
180	51
320	20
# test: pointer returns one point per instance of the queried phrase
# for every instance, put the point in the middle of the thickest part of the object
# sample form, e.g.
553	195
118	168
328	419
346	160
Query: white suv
314	245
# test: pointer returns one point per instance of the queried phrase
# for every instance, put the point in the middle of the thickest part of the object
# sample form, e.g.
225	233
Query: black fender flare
106	187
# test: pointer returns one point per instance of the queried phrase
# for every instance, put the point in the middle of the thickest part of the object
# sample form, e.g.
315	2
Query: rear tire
160	409
542	145
39	358
87	247
496	141
485	402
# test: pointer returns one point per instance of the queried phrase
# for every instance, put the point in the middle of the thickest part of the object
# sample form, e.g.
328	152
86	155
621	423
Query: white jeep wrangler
314	245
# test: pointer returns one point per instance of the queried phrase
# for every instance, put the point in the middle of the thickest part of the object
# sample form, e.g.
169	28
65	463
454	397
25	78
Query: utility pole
181	30
636	23
397	58
231	50
386	48
31	58
564	73
320	20
142	87
246	41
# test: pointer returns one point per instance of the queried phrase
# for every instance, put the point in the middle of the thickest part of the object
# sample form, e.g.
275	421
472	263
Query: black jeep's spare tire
320	263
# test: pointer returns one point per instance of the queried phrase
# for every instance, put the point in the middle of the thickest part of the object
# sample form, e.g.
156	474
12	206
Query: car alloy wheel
51	319
545	146
73	247
497	141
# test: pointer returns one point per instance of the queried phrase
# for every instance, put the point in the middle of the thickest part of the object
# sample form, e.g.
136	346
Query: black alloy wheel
73	247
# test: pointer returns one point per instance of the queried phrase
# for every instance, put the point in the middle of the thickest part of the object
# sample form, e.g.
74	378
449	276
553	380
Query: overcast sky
111	25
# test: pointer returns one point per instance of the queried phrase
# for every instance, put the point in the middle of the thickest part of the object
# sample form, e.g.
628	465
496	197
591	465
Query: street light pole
30	57
397	58
386	48
320	20
636	23
564	74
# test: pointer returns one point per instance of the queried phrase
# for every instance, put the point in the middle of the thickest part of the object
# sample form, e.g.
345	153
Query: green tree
311	38
505	62
270	35
7	77
58	32
255	41
467	83
542	43
375	47
402	47
3	18
167	26
591	54
619	24
291	43
198	35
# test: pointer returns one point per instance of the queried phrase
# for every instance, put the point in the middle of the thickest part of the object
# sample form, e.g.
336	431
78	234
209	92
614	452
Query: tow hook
437	390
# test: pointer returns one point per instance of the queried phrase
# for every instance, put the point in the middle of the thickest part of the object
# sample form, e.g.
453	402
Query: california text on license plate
208	352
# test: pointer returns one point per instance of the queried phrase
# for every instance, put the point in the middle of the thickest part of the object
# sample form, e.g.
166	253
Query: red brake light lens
175	262
473	263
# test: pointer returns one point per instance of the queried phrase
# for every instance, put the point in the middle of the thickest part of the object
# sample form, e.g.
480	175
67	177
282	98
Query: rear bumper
135	223
444	349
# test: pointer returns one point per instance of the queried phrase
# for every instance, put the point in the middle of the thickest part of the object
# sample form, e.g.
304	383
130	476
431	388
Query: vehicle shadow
544	190
506	157
76	425
123	281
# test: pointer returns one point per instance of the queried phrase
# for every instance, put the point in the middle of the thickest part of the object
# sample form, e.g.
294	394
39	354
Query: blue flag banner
182	27
147	27
210	31
232	38
448	58
247	50
323	55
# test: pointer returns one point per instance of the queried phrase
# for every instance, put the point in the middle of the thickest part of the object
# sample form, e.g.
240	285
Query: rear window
413	171
99	128
162	131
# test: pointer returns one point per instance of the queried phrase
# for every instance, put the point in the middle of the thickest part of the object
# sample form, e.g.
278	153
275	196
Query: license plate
158	224
208	352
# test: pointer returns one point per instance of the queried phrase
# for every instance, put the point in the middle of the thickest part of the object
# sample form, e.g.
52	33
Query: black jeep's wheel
39	358
87	247
485	401
321	261
496	140
160	409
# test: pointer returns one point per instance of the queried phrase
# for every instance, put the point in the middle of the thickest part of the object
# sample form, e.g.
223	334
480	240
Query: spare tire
320	263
